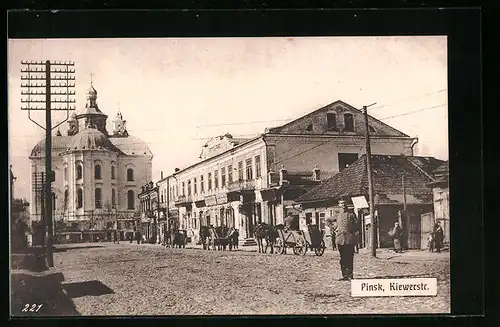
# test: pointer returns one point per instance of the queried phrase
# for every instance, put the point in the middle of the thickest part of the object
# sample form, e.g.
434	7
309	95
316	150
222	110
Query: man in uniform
345	239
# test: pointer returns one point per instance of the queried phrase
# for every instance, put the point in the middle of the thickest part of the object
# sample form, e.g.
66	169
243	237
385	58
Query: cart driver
289	222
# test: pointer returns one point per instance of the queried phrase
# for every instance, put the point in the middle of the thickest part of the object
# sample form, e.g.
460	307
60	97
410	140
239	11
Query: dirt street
131	279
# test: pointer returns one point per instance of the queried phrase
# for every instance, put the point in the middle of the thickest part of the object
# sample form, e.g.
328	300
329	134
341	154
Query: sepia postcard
229	176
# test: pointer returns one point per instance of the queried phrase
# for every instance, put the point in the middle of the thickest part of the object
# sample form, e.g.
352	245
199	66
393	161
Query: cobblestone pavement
131	279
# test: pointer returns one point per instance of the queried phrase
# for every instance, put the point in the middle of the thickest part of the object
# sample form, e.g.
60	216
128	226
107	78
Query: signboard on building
359	202
210	200
221	198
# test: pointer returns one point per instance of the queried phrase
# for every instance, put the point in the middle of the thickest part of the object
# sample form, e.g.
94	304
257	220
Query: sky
176	93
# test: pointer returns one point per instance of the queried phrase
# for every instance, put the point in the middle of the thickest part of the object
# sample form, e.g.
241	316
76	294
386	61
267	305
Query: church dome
59	144
91	139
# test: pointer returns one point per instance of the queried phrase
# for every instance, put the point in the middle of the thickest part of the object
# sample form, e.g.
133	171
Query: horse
204	236
179	240
268	233
222	240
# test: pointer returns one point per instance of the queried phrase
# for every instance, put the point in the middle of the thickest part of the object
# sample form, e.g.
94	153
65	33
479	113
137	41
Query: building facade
240	183
399	183
441	196
149	212
96	175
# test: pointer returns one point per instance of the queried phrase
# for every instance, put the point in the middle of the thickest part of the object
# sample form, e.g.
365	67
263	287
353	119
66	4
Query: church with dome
97	175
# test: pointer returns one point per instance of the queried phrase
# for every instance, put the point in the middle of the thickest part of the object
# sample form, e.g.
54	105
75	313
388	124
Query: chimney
161	174
316	173
283	172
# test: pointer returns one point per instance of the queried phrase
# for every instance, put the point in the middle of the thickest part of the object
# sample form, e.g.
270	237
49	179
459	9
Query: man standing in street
346	239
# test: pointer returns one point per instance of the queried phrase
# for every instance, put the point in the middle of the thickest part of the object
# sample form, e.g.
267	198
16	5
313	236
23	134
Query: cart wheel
279	247
321	249
300	247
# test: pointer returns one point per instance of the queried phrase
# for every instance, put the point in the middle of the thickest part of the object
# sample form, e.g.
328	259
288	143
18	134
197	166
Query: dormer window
371	129
309	128
348	123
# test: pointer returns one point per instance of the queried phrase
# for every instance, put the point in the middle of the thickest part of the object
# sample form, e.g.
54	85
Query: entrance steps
249	242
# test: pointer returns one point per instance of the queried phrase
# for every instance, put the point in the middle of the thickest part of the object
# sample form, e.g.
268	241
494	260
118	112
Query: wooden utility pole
404	216
370	184
32	72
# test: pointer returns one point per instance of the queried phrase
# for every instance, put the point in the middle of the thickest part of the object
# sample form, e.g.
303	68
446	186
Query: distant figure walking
332	224
345	240
438	236
396	233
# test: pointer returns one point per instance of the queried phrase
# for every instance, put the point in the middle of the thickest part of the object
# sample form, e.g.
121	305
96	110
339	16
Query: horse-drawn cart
290	239
300	241
314	240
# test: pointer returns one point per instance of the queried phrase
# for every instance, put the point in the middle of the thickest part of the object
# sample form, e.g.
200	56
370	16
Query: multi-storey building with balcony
241	182
149	212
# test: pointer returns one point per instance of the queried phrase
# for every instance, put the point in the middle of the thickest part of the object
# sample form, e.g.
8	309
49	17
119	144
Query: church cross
91	78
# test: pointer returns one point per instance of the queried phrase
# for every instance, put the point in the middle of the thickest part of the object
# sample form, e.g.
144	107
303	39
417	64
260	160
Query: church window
98	198
130	200
112	172
66	196
113	197
79	198
65	173
202	186
209	181
216	179
130	174
79	171
97	172
195	191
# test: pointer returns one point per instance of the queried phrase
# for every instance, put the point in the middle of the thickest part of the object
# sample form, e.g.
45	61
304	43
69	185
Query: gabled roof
387	174
393	131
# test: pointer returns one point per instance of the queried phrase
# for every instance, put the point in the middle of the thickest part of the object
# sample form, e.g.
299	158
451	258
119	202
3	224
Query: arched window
130	174
79	171
66	196
79	198
53	176
97	171
98	198
130	200
112	172
65	173
113	197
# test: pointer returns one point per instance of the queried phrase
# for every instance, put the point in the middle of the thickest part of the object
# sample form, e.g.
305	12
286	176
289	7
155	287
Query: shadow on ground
30	259
47	295
44	290
92	288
